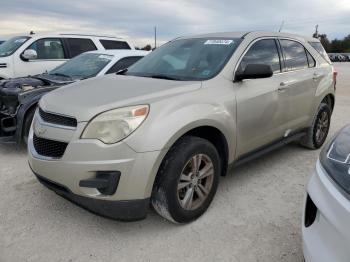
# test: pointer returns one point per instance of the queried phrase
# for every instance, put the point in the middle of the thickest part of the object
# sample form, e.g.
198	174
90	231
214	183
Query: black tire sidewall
175	162
323	108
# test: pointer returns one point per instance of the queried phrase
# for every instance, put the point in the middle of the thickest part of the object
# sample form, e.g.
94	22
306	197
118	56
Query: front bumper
84	159
328	237
128	210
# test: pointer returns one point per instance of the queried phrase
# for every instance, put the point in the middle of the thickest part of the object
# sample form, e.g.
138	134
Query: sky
135	20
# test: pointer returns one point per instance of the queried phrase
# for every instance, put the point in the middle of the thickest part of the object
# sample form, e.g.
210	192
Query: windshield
83	66
10	46
186	59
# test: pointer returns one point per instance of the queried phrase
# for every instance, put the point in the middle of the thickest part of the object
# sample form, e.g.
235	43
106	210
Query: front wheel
187	180
318	131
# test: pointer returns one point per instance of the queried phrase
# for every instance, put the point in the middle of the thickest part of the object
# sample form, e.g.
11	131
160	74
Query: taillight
335	73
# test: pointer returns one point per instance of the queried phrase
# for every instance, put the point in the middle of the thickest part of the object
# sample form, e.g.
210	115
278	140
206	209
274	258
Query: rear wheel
187	180
317	133
27	123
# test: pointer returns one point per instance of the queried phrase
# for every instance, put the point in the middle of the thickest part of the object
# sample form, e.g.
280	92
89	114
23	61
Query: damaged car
19	96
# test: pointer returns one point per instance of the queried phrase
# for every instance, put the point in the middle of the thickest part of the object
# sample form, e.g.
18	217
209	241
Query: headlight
335	159
115	125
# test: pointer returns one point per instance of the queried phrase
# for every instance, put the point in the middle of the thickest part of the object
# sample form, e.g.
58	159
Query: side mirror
29	54
254	71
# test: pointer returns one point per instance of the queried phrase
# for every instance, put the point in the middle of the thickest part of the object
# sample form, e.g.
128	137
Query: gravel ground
255	216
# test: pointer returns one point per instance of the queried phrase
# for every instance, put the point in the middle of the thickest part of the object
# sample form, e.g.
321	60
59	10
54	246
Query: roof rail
243	36
107	36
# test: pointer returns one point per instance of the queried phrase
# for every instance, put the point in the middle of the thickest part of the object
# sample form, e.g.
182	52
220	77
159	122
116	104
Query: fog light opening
106	182
310	212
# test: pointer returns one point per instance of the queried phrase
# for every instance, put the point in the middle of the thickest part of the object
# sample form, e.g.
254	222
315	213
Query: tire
311	140
169	201
27	123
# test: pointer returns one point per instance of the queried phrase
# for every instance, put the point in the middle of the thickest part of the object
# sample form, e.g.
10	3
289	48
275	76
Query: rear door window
48	48
294	54
79	45
123	63
262	52
112	44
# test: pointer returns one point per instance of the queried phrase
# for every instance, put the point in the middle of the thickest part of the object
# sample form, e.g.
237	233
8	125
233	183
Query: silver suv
166	129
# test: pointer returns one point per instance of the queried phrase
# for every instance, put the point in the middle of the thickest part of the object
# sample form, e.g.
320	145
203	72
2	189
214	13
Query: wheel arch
329	99
217	138
22	114
208	132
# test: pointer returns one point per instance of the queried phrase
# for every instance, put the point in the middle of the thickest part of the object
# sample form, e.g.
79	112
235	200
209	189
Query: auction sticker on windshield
106	57
21	40
218	42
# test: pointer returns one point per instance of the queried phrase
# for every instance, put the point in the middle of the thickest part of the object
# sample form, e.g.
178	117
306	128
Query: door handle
316	76
283	86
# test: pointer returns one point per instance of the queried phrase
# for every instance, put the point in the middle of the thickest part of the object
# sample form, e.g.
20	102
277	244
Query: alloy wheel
322	127
195	182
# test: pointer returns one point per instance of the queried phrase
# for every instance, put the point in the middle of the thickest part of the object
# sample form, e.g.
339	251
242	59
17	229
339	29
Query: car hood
85	99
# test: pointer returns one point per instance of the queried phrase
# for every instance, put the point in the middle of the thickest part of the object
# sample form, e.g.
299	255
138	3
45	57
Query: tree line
336	45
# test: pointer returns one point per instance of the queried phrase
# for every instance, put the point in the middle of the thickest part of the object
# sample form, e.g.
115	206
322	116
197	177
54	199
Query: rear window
112	44
319	48
295	55
78	46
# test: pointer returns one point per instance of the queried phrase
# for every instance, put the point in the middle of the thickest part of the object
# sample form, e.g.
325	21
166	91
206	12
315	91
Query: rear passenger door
77	46
297	90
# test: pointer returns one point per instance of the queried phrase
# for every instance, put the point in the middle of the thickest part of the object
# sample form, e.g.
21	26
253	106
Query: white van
36	53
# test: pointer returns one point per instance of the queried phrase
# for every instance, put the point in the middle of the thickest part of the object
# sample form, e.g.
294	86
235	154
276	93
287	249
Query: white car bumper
327	239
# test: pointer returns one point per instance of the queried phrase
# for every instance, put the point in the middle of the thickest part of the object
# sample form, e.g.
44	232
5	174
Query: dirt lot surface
255	216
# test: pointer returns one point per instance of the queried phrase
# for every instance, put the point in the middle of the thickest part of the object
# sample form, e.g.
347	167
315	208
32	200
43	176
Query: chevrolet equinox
164	130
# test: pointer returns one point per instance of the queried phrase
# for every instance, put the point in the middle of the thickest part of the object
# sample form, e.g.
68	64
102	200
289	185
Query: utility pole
282	24
316	31
155	37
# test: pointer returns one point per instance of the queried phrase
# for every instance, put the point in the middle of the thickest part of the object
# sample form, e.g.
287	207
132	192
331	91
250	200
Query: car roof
254	34
72	34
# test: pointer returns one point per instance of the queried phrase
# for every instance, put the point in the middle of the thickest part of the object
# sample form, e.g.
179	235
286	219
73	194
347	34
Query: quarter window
310	59
48	48
319	48
294	54
111	44
78	46
262	52
123	63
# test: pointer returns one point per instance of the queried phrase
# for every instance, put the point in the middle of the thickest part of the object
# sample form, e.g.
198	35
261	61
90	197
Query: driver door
259	115
50	53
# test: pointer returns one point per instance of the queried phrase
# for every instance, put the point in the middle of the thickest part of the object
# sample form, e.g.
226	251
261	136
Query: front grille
3	65
49	148
58	119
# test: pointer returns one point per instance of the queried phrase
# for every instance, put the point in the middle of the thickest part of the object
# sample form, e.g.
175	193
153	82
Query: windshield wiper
60	74
164	77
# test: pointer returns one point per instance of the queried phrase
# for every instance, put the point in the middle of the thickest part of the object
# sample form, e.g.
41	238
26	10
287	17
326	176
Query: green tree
325	42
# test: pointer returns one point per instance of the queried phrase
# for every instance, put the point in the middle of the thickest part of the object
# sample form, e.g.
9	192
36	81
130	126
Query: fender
156	135
21	113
